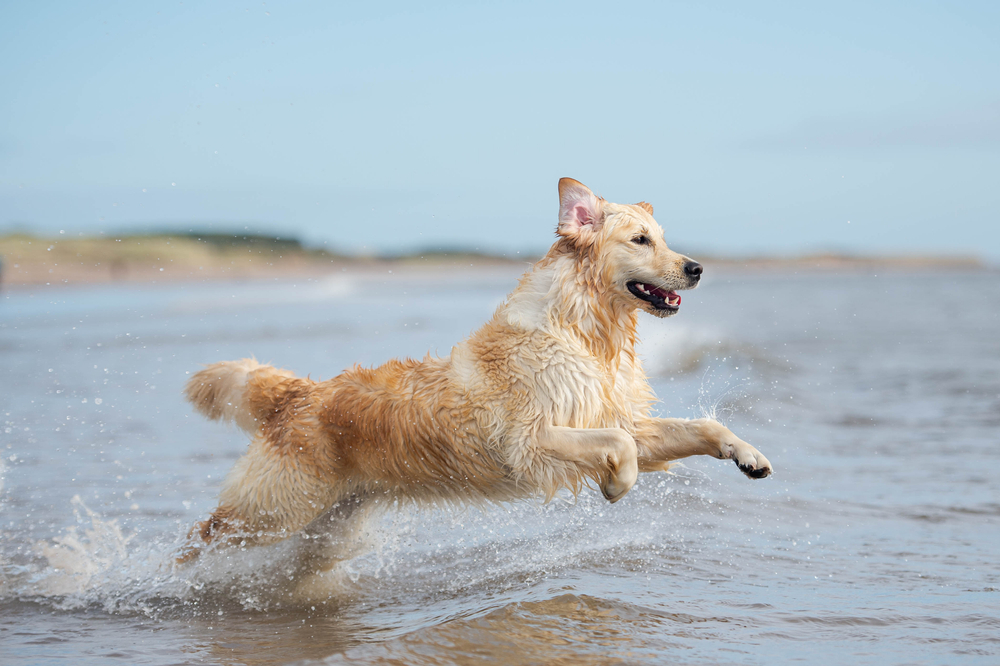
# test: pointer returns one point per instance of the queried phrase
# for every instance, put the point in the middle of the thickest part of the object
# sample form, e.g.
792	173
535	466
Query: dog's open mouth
661	299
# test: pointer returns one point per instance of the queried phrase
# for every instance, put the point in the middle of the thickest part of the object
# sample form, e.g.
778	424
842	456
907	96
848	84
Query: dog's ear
581	214
645	206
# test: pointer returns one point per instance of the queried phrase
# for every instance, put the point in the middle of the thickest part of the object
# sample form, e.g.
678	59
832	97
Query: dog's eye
641	240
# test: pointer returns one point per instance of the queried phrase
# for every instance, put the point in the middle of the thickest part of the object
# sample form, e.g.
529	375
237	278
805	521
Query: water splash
679	349
77	558
95	563
722	391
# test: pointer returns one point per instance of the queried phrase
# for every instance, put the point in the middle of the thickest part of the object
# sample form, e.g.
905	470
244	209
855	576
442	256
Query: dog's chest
576	390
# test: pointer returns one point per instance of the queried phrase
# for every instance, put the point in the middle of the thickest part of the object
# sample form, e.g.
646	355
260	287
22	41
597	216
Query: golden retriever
548	394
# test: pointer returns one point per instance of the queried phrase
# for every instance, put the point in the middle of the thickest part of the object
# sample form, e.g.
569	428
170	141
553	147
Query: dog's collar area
661	299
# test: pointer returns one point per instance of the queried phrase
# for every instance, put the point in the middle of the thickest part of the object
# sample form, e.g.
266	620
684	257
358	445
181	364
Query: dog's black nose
693	269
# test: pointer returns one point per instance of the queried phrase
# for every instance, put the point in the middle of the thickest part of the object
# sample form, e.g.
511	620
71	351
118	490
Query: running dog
548	394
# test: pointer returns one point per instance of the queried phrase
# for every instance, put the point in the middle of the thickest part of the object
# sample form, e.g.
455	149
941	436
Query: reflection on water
875	542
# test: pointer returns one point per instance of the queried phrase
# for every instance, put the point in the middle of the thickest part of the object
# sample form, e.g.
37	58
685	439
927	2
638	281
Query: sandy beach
31	260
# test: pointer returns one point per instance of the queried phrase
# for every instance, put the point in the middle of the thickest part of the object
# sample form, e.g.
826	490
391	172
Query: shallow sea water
875	396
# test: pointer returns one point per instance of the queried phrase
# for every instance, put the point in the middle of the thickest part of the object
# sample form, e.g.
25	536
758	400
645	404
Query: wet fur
548	394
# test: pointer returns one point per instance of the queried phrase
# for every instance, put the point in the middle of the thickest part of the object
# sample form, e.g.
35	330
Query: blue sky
752	127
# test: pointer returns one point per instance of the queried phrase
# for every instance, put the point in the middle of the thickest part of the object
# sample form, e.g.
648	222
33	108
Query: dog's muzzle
661	299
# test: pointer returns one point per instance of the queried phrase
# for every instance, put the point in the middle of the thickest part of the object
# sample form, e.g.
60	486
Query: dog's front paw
750	461
621	472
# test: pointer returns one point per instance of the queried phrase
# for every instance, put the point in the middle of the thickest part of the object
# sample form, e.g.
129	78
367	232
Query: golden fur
548	394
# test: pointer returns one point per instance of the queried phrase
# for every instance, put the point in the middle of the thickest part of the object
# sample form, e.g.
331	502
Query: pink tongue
668	296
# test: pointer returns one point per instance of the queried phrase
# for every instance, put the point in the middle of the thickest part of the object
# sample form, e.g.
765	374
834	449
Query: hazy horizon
855	128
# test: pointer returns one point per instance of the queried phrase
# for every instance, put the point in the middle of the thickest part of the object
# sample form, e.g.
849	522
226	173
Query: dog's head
625	249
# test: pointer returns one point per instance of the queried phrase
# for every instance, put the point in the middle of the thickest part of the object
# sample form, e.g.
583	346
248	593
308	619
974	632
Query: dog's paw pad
753	471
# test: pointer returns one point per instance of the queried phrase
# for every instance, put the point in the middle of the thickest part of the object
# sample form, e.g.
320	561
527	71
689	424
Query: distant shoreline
66	260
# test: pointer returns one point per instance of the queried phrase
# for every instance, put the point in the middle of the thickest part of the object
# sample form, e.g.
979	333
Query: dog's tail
235	391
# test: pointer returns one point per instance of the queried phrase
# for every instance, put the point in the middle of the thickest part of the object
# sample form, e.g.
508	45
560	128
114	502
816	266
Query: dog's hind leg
344	532
269	495
662	440
340	534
